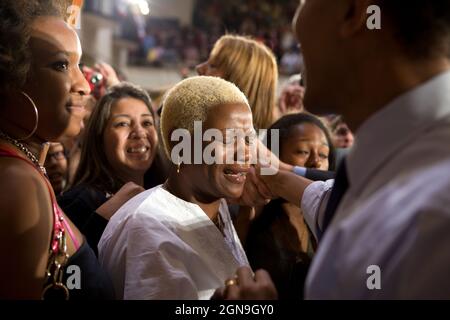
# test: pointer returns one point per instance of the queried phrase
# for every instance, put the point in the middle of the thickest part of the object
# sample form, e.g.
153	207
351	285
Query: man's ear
355	19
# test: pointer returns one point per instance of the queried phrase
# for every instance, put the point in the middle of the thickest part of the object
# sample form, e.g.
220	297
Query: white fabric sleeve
313	204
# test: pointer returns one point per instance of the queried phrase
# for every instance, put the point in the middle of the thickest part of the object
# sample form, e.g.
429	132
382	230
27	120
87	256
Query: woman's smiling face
130	137
55	81
225	178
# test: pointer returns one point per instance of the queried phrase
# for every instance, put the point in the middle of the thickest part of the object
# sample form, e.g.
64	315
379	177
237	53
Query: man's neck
179	186
382	82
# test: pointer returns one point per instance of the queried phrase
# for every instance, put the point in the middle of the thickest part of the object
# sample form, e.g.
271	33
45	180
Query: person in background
291	97
101	77
342	135
252	67
120	145
278	230
56	166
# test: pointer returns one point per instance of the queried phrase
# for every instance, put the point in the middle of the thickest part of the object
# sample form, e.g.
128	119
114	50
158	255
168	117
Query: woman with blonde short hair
252	67
177	241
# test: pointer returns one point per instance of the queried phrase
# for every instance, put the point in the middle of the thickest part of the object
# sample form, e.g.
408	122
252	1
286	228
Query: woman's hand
128	191
245	286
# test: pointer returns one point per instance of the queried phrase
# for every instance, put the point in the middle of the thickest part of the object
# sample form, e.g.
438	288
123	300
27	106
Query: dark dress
79	204
95	283
272	244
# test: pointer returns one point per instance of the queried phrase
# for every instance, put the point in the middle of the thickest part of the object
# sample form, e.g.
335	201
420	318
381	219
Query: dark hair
94	169
16	17
287	123
421	26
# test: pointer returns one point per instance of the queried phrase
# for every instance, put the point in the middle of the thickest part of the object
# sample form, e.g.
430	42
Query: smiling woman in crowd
121	144
177	241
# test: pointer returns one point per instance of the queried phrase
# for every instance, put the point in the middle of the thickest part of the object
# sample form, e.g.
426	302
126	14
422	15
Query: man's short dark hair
422	26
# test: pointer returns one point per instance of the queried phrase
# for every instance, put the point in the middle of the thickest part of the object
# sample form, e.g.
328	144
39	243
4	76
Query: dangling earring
179	164
36	115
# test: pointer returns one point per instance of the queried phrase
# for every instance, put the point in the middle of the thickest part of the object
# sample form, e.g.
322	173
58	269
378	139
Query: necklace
24	150
58	256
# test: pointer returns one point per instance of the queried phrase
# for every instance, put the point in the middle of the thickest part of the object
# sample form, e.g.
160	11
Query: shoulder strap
57	212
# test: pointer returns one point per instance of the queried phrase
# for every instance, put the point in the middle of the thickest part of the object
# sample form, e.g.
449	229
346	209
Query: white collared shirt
158	246
396	213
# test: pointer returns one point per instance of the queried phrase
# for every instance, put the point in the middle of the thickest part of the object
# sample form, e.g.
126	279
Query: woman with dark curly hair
42	94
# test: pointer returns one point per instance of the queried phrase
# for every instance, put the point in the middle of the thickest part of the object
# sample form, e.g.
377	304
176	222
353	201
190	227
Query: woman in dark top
42	94
121	145
278	239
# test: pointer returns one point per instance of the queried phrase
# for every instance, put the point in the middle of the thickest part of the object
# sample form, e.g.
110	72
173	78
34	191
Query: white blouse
158	246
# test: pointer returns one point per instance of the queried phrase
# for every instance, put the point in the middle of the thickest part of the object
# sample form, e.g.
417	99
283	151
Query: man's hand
256	192
128	191
260	186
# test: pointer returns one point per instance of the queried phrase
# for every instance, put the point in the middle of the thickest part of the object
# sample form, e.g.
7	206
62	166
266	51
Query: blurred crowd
165	42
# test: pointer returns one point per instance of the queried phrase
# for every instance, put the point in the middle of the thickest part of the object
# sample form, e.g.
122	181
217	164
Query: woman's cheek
299	160
325	165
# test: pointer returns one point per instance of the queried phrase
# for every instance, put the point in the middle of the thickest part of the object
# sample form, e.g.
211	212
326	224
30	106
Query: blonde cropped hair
253	68
191	99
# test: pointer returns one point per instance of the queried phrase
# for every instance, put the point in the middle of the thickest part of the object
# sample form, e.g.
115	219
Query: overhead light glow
142	4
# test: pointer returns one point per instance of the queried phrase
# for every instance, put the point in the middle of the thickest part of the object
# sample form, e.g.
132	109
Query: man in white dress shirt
390	235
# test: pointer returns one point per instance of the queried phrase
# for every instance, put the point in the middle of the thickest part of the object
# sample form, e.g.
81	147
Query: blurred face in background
56	166
306	146
208	68
130	138
342	136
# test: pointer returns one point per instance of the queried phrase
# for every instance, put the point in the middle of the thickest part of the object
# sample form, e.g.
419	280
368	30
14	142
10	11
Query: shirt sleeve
313	204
